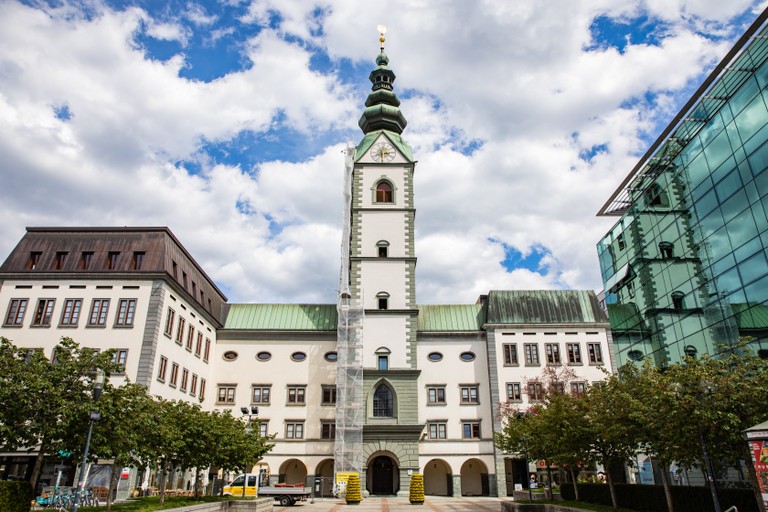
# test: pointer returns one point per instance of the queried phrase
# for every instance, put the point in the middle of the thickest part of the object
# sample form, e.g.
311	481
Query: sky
225	120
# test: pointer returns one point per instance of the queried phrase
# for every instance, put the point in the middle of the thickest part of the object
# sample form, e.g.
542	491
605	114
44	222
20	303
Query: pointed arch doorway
383	476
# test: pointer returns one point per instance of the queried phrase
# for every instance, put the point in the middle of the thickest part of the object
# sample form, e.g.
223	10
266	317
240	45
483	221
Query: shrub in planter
354	495
16	496
416	495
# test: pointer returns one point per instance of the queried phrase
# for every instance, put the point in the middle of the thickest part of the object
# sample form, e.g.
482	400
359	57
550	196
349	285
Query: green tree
44	404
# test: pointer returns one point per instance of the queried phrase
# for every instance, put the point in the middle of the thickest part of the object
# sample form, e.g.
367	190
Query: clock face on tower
382	152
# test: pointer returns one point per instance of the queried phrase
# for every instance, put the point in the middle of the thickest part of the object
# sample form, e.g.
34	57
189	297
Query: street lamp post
250	413
527	479
95	416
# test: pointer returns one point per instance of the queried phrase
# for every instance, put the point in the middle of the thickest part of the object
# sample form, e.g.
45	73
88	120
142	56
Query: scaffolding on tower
348	447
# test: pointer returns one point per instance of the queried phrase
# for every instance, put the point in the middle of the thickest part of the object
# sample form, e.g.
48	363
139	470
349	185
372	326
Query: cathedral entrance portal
383	476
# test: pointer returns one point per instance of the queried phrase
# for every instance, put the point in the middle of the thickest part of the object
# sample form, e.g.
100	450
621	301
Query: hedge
15	496
650	498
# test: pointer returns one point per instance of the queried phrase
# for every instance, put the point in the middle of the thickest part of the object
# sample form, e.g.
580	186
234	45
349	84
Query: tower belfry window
382	248
384	192
382	300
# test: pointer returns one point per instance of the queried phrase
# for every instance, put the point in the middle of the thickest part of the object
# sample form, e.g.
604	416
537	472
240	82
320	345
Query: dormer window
34	260
112	258
382	300
58	262
384	192
138	260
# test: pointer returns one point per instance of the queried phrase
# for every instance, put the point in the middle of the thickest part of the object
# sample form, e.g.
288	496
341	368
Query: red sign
759	451
125	473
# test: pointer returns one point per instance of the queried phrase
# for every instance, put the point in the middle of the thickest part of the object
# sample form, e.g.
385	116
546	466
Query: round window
435	356
298	356
263	356
635	355
467	356
331	356
229	355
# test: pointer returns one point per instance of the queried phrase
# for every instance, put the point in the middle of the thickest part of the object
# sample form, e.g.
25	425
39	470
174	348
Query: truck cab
235	487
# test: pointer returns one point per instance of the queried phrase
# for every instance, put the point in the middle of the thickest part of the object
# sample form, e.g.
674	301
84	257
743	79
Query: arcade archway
324	478
293	471
474	478
438	480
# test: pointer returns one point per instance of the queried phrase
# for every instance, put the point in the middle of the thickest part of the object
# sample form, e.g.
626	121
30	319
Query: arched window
383	402
384	192
383	248
382	300
666	249
677	300
654	196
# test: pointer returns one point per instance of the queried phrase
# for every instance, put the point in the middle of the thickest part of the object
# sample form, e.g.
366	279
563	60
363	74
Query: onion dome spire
382	110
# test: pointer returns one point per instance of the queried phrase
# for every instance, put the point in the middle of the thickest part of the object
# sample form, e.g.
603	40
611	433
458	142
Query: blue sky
225	121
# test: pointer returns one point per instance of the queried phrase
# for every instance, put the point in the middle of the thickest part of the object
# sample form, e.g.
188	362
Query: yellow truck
285	494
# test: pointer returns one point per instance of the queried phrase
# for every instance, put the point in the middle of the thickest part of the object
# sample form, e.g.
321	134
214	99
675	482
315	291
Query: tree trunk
609	478
38	468
575	484
113	479
163	471
747	457
667	488
197	483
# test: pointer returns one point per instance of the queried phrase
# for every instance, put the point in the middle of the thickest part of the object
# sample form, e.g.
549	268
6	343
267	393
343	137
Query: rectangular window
553	353
514	392
574	353
226	394
535	391
99	309
328	430
510	354
138	260
120	357
201	396
184	379
43	312
193	385
329	395
437	430
207	349
595	353
260	394
190	337
16	310
71	313
162	368
174	374
86	258
557	387
469	394
383	363
169	322
58	260
199	345
180	330
435	395
126	310
470	429
296	395
184	280
531	354
294	430
175	270
112	259
34	260
263	427
578	388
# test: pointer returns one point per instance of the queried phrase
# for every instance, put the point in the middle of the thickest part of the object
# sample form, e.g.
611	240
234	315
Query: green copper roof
452	317
382	110
395	138
544	307
282	317
750	316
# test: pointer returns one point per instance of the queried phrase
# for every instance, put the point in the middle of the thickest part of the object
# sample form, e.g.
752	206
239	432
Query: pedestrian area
395	504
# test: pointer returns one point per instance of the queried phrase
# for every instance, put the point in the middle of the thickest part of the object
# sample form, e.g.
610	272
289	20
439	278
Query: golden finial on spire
382	30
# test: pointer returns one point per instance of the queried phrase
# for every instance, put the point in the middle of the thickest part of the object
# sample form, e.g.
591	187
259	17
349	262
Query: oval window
263	356
635	355
298	356
435	356
331	356
467	356
229	355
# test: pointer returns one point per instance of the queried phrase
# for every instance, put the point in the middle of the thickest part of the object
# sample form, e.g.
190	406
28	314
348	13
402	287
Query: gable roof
544	307
393	137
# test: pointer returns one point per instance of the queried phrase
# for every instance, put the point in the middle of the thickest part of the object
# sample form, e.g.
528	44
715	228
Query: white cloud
518	78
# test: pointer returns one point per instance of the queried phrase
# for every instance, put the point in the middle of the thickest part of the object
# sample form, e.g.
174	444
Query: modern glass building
685	267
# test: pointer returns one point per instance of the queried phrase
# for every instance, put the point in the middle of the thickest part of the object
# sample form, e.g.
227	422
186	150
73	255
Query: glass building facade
685	268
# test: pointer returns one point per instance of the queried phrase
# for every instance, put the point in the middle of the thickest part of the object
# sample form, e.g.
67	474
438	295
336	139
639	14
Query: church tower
382	266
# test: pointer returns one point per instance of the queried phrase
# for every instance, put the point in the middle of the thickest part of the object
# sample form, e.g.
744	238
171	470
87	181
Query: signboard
341	483
126	473
759	450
